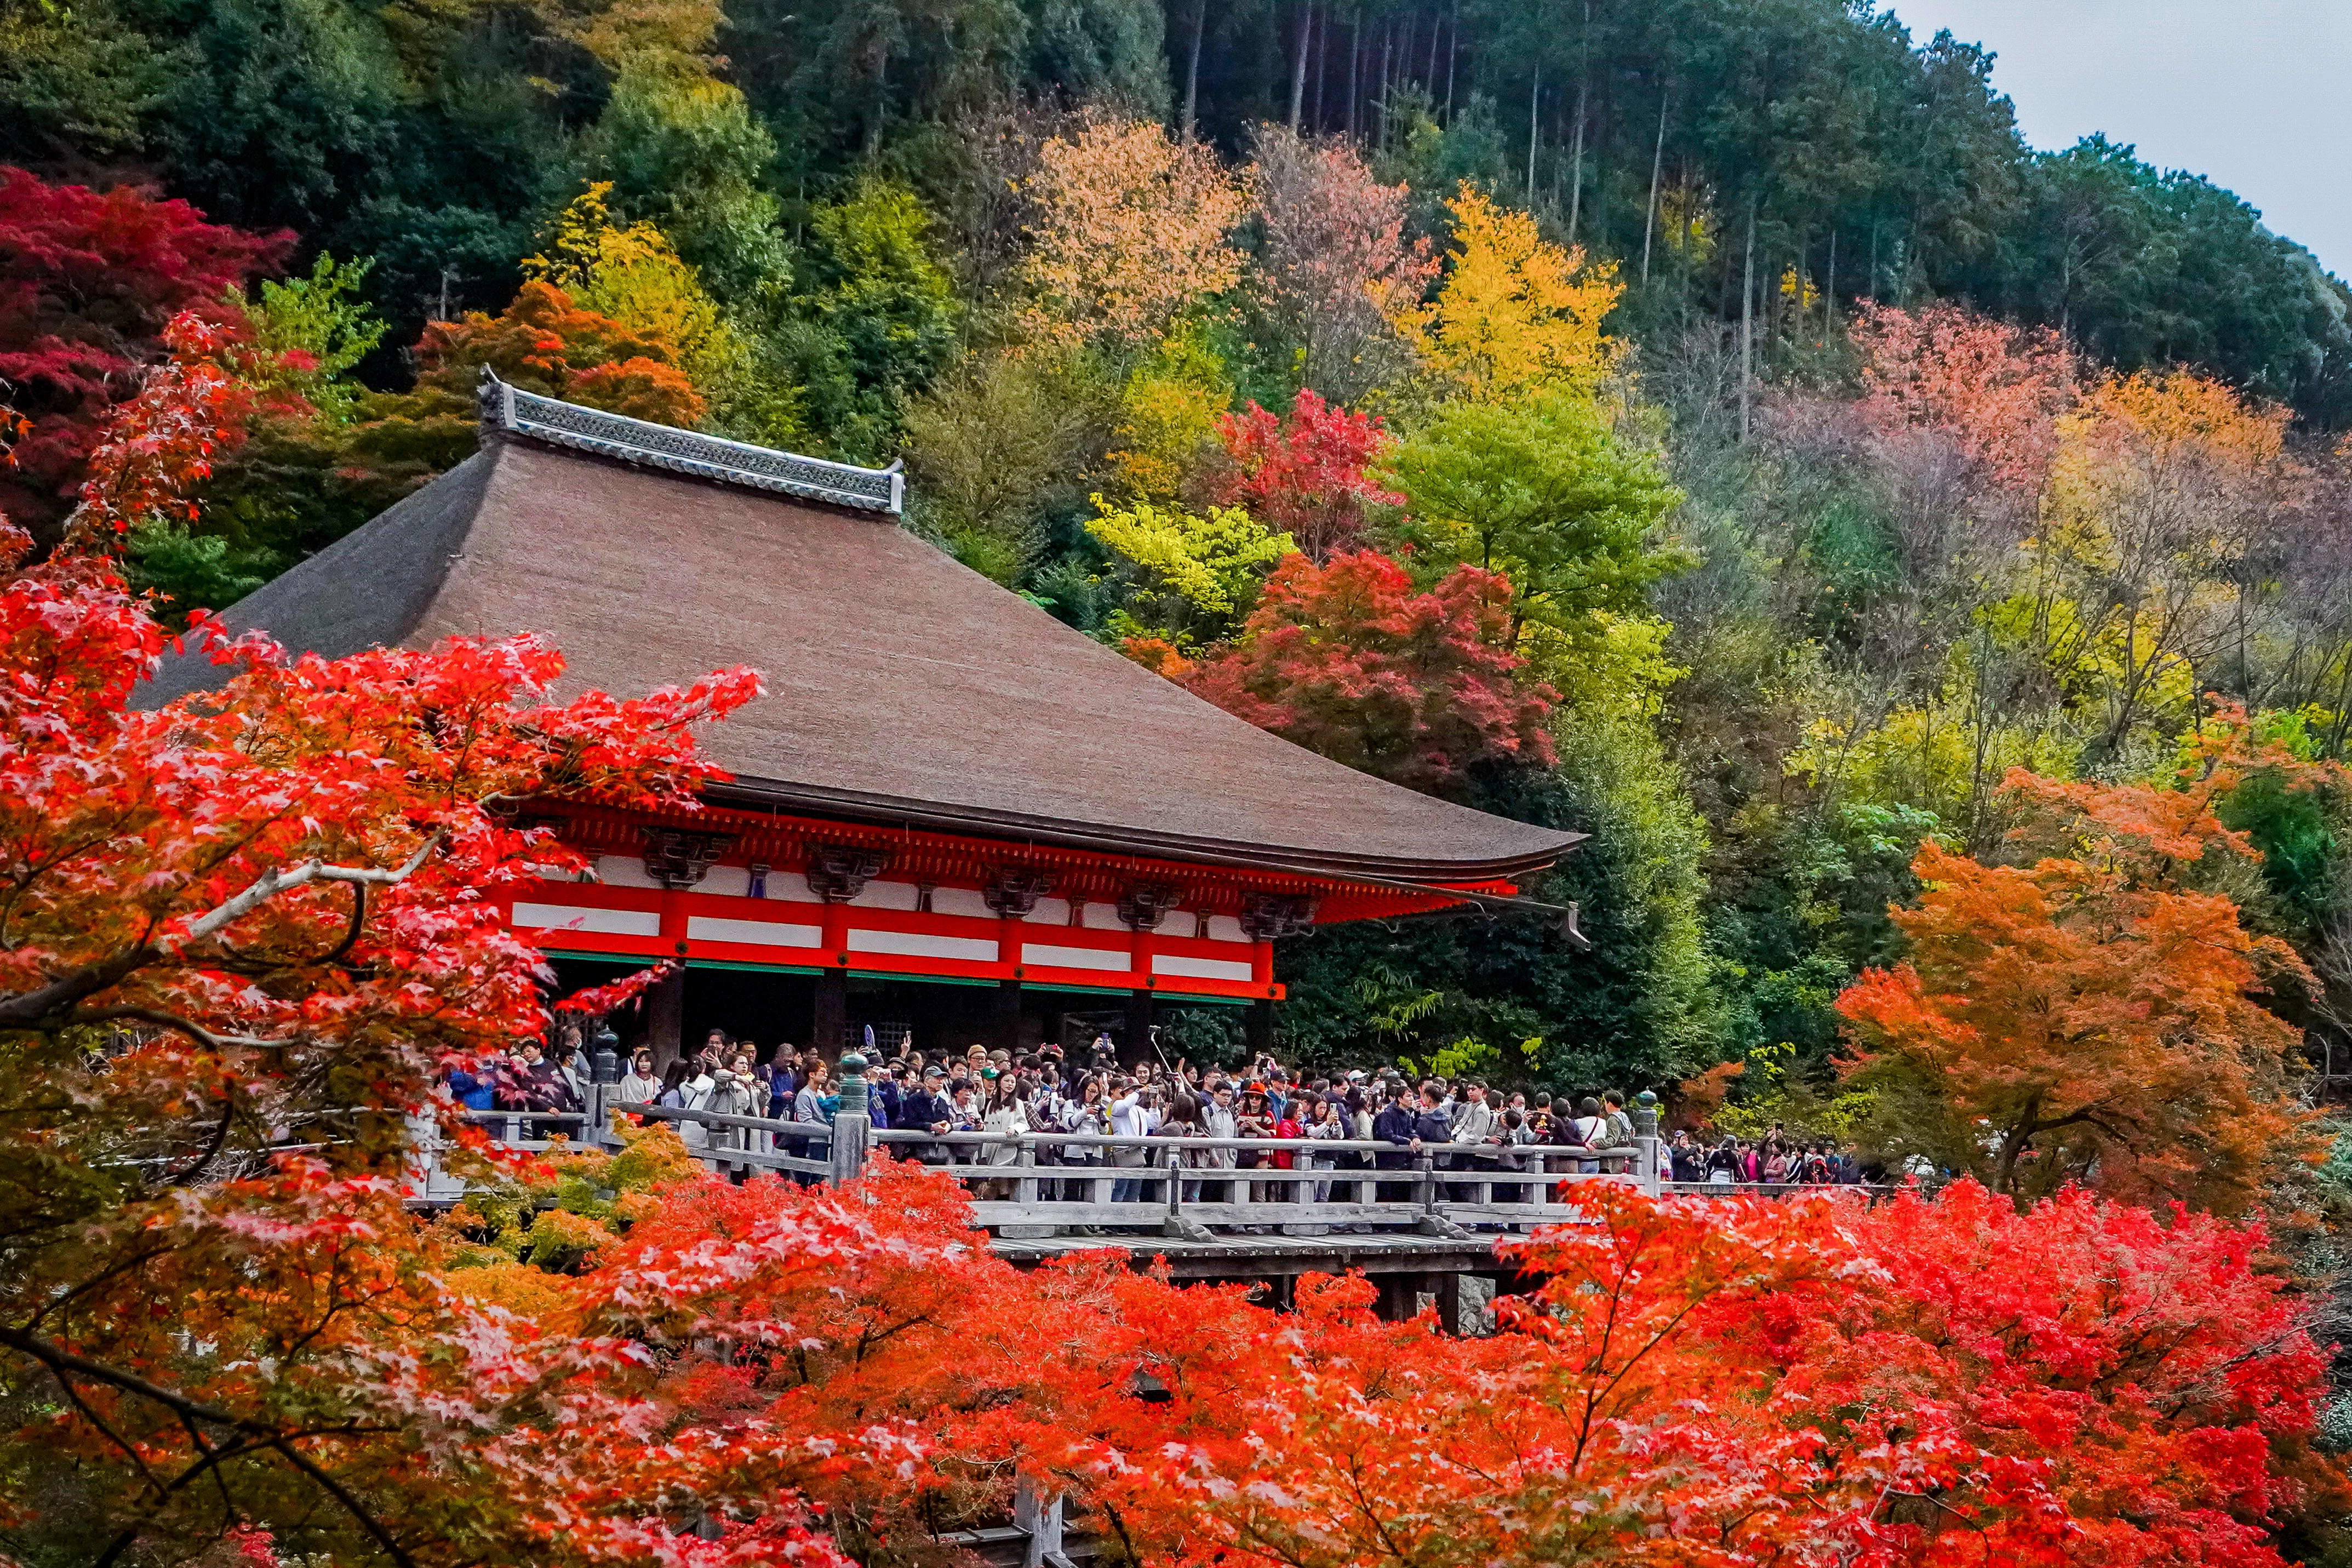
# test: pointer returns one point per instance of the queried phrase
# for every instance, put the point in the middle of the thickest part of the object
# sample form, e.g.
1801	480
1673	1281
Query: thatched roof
901	685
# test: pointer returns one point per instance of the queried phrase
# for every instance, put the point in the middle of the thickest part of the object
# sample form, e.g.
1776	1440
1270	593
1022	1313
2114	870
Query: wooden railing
1029	1184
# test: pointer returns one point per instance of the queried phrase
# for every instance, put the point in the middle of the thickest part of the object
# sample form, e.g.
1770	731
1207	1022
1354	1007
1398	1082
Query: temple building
953	819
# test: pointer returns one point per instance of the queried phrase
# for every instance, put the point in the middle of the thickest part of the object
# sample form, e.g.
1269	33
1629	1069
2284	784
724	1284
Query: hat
987	1072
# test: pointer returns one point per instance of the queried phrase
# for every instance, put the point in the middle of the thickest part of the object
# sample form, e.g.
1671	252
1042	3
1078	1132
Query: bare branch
271	883
46	1007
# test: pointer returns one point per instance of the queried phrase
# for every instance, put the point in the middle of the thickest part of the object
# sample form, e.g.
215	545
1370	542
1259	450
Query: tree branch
61	1362
43	1007
203	1162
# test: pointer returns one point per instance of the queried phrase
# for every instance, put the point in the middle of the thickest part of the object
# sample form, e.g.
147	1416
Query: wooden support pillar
1448	1290
1007	1019
829	1019
1261	1028
666	1017
1137	1046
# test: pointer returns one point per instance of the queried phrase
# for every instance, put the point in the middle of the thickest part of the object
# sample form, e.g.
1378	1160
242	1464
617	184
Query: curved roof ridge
510	411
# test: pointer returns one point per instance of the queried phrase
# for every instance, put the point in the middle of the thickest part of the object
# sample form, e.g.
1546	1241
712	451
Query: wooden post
1007	1019
1261	1028
829	1019
1137	1046
666	1017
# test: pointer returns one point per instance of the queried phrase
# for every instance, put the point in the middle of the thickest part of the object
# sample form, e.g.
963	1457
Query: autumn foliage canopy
1350	660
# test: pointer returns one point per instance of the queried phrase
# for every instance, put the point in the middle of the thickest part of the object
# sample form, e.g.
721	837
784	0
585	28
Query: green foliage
996	449
688	155
1543	492
1634	1012
279	111
875	318
72	77
324	323
2301	834
2152	269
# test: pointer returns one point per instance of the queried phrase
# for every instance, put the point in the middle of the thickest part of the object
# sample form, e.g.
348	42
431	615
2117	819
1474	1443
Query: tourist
1134	1117
1088	1116
685	1089
928	1108
1006	1117
640	1085
813	1105
734	1092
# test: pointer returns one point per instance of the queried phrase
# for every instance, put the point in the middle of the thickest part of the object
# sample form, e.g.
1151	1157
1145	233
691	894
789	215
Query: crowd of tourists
971	1109
1776	1159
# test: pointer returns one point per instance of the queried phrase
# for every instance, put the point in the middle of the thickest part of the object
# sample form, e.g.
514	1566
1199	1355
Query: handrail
1028	1181
1276	1145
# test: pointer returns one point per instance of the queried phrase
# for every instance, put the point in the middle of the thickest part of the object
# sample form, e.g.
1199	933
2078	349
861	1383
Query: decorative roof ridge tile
512	411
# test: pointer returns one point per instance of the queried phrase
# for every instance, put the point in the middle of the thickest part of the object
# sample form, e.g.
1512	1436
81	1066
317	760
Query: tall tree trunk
1192	67
1437	24
1303	35
1380	105
1747	325
1829	295
1355	68
1657	164
1535	96
1576	181
1319	41
1453	51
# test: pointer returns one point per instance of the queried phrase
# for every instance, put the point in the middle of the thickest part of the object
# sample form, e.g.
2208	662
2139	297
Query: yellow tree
1189	579
632	273
1516	312
1129	230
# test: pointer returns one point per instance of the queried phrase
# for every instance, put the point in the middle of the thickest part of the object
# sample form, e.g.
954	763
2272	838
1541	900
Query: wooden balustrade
1045	1184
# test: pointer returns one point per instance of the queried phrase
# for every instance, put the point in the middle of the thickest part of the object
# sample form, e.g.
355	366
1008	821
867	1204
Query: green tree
875	318
686	154
1544	493
281	111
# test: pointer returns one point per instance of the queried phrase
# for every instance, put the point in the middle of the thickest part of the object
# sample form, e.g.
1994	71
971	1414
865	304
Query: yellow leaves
1194	573
1517	314
2176	412
1131	230
675	35
2167	460
633	275
1169	413
1611	666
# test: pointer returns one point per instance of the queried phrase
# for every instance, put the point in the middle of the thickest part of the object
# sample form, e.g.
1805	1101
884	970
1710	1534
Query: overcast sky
2251	94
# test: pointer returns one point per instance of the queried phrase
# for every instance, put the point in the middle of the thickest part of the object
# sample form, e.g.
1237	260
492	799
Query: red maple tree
1307	475
1350	660
239	930
1721	1383
87	281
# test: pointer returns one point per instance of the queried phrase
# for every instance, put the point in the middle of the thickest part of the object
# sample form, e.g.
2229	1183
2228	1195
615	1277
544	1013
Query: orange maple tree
2095	1015
1995	390
235	932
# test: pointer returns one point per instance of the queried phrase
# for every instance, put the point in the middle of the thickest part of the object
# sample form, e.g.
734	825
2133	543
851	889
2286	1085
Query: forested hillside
1704	423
